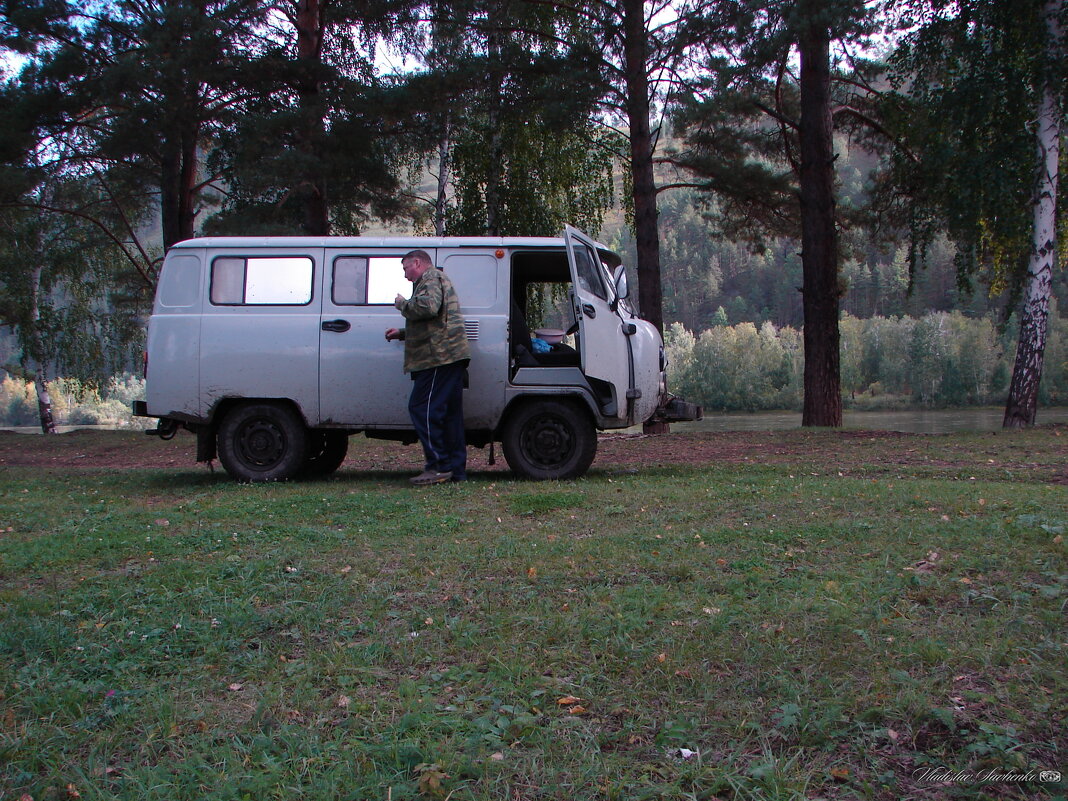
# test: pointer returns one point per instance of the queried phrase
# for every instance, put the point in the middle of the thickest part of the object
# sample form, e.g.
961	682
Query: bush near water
937	360
74	402
941	359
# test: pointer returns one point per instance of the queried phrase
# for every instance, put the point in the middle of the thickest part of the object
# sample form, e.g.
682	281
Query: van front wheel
547	439
262	442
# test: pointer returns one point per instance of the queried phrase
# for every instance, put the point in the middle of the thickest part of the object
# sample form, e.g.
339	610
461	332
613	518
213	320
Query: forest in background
133	125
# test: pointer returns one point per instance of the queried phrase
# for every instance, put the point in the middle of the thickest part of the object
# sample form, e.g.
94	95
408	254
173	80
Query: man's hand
392	333
399	299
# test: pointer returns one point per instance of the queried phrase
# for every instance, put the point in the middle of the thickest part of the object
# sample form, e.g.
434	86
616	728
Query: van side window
179	286
350	281
368	280
589	272
261	281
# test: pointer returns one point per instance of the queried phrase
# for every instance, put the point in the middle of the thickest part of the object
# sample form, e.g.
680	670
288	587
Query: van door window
275	281
385	280
350	281
373	281
589	272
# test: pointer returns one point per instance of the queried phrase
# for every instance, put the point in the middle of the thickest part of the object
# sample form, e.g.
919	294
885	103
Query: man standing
436	354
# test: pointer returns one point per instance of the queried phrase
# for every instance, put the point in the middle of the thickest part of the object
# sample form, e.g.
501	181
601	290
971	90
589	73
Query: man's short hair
421	255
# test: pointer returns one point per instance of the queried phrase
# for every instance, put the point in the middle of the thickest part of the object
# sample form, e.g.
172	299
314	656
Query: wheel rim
548	441
261	443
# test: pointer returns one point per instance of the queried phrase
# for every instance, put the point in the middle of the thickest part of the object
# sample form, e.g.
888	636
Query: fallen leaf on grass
430	778
568	700
235	687
926	565
343	701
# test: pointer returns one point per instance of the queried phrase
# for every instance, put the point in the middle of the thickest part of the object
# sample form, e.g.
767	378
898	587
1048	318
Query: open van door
603	345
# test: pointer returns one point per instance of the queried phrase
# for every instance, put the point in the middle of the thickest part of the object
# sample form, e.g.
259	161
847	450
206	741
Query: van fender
585	398
221	407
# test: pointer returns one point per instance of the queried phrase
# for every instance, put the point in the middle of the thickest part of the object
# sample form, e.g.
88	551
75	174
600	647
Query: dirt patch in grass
1037	455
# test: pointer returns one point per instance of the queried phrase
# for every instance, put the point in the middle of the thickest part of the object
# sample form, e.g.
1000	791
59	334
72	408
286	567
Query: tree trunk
178	170
643	182
44	404
496	163
819	236
32	349
646	233
444	164
1022	404
312	192
495	79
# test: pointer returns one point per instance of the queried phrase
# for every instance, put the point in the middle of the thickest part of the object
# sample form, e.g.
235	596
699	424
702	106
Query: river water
929	421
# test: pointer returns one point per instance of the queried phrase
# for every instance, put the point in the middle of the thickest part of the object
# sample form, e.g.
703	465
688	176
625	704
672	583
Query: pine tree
314	145
761	139
138	89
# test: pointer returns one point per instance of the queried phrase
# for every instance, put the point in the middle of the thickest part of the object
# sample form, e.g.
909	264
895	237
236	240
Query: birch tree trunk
441	199
44	404
32	349
1022	404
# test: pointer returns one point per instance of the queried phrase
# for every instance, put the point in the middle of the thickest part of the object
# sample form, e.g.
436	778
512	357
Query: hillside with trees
896	216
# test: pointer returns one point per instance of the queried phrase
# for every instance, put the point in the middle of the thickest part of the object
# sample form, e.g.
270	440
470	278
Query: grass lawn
807	615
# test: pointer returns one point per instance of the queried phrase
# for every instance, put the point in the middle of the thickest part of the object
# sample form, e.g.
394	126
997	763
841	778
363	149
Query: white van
272	350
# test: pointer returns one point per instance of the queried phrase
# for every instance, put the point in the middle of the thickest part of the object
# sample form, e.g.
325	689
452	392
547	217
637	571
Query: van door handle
338	326
588	310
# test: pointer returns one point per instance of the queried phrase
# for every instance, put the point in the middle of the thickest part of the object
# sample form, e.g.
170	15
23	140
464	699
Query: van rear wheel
546	439
326	452
262	442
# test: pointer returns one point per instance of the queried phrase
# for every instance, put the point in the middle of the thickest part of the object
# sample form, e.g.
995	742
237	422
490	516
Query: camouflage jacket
434	334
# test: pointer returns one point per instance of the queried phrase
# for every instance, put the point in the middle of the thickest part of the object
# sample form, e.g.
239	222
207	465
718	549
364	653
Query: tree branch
142	270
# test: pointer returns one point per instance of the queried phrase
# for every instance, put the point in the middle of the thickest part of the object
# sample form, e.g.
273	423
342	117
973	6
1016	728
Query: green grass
808	630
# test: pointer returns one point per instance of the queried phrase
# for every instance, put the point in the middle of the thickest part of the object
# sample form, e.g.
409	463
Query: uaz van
272	350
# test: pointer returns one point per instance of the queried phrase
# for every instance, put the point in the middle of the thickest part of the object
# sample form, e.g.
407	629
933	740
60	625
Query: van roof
411	242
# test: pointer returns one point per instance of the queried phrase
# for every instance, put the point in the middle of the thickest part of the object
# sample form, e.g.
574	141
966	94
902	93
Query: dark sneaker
431	477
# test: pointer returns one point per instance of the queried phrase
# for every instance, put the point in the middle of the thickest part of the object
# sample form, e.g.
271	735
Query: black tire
326	452
262	442
547	439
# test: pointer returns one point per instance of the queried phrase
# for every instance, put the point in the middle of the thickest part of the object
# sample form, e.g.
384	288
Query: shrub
74	402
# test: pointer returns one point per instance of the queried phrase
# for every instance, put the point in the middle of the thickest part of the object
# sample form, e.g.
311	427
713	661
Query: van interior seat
523	351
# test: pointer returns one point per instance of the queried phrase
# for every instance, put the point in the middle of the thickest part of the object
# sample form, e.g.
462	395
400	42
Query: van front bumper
676	410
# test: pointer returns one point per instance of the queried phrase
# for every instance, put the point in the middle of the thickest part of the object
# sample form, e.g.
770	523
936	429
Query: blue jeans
436	406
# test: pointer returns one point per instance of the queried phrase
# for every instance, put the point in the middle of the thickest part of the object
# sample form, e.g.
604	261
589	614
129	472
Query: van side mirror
619	278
